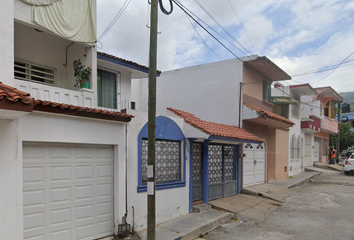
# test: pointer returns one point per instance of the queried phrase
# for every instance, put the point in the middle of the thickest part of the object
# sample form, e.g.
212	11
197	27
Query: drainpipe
126	173
239	106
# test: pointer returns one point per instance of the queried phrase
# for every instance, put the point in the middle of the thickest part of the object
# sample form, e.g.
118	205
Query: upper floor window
34	73
106	89
267	91
295	109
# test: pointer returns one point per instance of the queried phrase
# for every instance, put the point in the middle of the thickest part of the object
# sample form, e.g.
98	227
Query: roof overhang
268	69
303	89
136	70
328	93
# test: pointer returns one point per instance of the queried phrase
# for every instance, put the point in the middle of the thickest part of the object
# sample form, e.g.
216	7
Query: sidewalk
258	202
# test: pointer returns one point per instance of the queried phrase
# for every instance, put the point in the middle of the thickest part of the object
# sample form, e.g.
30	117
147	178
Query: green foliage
346	135
81	71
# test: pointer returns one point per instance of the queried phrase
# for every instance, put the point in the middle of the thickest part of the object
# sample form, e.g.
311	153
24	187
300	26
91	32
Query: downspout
126	173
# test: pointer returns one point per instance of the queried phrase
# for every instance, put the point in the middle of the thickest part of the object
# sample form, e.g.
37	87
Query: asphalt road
321	209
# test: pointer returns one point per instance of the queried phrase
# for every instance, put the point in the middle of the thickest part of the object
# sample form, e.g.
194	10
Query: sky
303	37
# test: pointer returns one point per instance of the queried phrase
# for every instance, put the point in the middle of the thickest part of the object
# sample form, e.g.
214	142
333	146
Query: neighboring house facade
326	101
197	100
259	118
290	102
63	151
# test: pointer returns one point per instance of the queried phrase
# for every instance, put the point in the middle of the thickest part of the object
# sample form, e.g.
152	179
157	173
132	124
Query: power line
335	68
322	69
183	8
120	12
202	38
242	26
246	52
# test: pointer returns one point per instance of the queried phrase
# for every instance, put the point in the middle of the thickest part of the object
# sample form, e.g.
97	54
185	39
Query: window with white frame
167	161
293	147
34	73
106	89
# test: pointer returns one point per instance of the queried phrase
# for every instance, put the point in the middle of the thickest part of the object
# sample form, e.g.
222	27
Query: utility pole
151	199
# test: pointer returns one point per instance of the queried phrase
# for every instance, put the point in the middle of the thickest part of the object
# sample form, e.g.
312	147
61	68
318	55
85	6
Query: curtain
39	2
73	20
107	89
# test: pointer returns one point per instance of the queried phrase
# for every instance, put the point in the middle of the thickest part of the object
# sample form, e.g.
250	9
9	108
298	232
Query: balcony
329	125
311	125
82	97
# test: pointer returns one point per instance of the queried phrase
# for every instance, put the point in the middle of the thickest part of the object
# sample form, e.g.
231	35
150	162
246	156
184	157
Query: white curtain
73	20
39	2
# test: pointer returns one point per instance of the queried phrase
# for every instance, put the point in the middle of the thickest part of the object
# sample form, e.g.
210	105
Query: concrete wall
209	91
170	203
282	153
11	224
252	84
7	39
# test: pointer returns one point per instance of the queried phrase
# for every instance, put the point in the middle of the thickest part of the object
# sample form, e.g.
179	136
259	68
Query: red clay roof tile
47	106
270	114
215	129
13	94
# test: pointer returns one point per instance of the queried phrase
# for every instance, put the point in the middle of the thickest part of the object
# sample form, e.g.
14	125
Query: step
201	208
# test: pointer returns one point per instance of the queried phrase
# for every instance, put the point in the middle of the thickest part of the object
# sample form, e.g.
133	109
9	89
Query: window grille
167	161
34	73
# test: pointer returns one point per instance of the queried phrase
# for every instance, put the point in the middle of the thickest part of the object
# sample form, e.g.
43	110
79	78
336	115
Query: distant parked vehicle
349	165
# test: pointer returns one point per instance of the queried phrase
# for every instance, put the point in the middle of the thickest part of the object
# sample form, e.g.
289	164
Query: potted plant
82	74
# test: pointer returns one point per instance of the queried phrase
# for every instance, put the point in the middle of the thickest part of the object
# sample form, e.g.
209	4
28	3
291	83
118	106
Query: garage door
67	192
253	164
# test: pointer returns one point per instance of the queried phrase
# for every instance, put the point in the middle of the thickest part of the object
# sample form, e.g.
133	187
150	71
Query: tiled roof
125	61
73	110
12	94
270	114
215	129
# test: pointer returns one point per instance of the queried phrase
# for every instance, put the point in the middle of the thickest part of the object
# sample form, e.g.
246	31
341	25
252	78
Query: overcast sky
299	36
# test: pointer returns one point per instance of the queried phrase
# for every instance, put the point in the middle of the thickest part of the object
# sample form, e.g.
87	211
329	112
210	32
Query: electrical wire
242	26
183	8
323	69
244	50
120	12
202	38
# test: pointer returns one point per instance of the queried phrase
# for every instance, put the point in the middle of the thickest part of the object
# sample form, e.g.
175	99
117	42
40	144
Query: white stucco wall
170	203
23	12
11	223
210	91
7	39
51	128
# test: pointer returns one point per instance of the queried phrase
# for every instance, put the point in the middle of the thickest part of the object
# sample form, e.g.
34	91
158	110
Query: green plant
81	72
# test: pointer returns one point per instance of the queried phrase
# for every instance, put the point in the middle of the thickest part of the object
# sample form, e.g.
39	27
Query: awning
214	131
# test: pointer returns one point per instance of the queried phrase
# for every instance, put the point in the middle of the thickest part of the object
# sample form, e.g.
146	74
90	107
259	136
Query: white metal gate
67	191
308	150
316	151
253	164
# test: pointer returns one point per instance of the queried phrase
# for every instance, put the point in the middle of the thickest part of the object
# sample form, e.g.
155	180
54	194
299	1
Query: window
299	147
167	161
293	147
106	89
34	73
267	91
295	109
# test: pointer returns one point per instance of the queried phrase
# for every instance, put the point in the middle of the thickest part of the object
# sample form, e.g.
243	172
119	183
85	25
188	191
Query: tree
346	135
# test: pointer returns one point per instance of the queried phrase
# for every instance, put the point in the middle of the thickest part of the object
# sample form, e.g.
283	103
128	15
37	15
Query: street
320	209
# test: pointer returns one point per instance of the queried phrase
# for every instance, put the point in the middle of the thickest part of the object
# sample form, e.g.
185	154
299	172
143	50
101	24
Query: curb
303	181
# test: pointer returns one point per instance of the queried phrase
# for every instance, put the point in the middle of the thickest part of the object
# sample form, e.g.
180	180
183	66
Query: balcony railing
82	97
329	125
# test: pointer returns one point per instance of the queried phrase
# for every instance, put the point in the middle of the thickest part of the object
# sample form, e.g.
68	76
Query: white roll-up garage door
67	191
